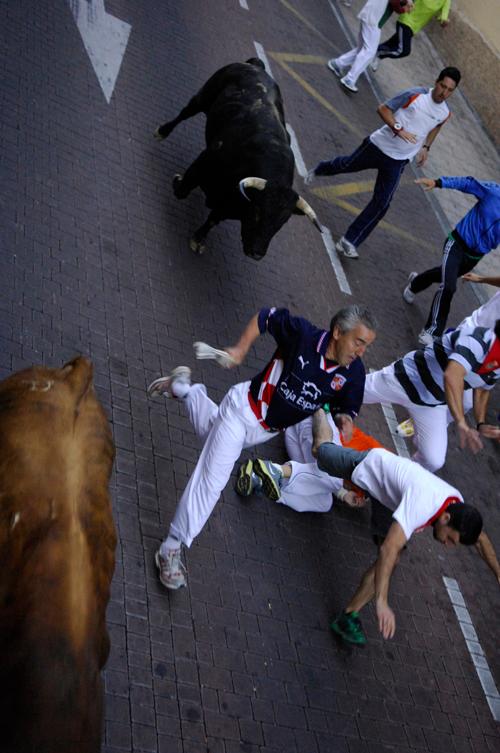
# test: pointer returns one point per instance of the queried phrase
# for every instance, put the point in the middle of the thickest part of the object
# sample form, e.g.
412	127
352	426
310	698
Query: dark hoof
158	135
255	257
198	247
177	186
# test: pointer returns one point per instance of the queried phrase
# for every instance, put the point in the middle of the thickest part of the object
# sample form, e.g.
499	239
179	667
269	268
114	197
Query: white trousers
360	57
431	424
308	489
226	430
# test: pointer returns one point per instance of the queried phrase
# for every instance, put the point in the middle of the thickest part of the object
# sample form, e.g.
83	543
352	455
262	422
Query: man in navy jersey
310	367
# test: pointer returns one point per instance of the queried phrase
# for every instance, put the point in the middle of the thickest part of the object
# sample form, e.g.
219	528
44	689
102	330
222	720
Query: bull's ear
77	374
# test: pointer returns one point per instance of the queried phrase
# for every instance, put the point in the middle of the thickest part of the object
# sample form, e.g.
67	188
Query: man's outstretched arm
487	553
384	567
454	391
249	335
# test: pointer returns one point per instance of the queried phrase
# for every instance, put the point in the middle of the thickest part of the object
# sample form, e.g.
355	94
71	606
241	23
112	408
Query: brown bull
57	542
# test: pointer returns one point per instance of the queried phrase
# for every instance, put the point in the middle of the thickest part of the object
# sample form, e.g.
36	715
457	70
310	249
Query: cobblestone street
96	260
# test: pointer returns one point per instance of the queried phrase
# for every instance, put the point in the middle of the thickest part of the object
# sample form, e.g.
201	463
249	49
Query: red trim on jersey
449	501
492	358
256	412
412	99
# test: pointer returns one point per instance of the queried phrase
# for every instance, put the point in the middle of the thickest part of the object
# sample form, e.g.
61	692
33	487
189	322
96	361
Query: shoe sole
332	69
179	371
269	485
346	254
348	639
348	88
170	586
243	484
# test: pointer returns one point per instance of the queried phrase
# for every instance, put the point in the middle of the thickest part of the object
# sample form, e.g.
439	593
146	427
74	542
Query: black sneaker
348	626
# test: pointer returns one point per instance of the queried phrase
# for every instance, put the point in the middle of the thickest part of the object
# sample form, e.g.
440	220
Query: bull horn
258	183
308	211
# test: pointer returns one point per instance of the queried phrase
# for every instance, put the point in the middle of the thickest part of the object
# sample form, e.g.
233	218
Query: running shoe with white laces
346	248
310	176
425	338
171	571
408	294
348	84
333	66
176	384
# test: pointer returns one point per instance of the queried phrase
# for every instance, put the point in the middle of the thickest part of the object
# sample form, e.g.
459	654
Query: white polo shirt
418	113
413	493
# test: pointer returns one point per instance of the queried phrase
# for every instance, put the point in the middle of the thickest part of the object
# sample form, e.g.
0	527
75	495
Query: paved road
96	260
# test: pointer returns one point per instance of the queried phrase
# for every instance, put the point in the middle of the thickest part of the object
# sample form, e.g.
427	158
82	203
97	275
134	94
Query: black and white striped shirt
421	372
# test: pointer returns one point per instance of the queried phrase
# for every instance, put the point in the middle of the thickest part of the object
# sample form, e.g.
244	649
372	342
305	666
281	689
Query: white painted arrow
105	39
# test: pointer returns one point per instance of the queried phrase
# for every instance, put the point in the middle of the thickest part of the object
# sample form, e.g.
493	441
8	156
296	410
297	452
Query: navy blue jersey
299	379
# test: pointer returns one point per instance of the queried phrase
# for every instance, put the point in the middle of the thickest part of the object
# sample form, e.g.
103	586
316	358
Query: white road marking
244	4
475	649
105	40
392	423
299	162
302	170
335	261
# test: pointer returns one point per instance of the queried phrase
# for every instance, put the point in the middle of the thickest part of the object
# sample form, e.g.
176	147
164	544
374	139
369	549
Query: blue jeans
339	461
368	157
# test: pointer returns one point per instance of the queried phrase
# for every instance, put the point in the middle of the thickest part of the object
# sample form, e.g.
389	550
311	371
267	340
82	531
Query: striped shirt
421	372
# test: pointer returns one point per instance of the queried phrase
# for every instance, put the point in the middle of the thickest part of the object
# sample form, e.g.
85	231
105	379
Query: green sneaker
348	626
270	474
244	486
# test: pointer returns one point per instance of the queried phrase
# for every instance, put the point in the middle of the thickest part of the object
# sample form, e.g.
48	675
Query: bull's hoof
158	135
198	247
177	186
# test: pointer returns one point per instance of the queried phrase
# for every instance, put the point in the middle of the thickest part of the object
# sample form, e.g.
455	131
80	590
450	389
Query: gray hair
350	316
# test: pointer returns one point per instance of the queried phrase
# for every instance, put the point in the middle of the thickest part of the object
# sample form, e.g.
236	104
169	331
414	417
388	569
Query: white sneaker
346	248
408	294
347	84
170	569
310	176
406	428
425	338
375	64
176	384
332	64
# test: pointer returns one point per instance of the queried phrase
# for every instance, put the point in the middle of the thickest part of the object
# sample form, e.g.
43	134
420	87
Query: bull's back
57	556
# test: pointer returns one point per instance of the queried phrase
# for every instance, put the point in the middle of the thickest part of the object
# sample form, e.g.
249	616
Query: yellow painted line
316	95
309	25
328	195
296	57
344	189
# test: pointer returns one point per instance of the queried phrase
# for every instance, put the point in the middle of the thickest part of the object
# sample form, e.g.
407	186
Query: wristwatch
397	126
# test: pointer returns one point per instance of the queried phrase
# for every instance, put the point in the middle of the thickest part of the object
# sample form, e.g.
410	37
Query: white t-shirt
485	316
372	11
415	495
418	113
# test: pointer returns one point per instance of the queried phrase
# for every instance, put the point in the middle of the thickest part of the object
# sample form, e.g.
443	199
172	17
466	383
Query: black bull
246	170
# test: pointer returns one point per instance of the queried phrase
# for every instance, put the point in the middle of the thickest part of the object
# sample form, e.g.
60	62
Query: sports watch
397	126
